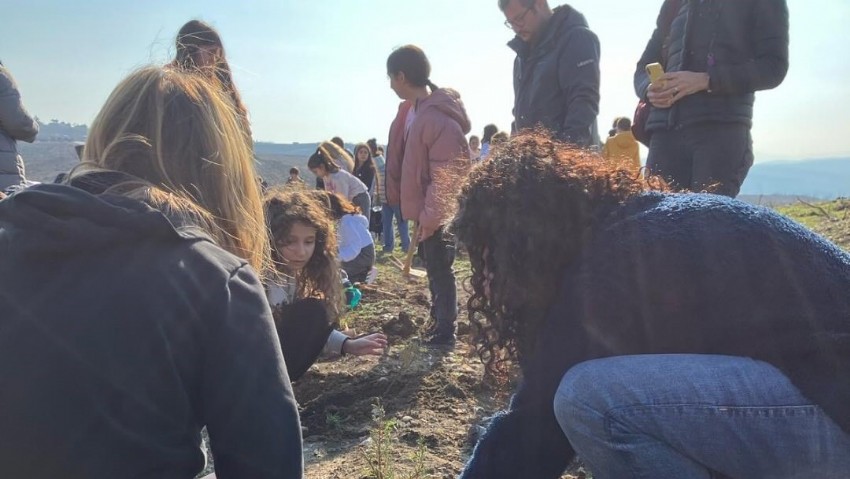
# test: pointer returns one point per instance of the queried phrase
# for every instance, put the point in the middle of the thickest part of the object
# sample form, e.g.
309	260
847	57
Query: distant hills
776	182
823	178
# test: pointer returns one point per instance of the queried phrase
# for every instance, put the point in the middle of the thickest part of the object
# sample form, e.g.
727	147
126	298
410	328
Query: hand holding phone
655	71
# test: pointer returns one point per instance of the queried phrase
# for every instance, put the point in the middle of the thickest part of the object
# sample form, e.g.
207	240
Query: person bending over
659	334
308	294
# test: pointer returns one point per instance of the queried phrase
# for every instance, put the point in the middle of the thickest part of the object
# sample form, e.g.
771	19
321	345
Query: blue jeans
696	416
387	213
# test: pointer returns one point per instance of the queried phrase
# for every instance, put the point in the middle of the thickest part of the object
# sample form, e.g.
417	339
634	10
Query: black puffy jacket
556	81
742	44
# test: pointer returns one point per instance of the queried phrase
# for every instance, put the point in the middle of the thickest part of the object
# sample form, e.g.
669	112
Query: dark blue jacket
121	337
742	44
680	273
556	81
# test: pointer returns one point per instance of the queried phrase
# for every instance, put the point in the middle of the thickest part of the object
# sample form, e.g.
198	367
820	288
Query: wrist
706	82
342	350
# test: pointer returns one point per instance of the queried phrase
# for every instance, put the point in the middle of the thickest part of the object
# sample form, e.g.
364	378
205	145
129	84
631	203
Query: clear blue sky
312	69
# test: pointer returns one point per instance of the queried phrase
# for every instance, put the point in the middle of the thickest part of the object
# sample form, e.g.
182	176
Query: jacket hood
448	102
60	219
563	19
624	139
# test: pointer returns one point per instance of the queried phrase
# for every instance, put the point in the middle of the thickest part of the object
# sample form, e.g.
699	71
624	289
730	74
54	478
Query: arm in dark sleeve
651	54
14	118
578	75
248	405
769	64
525	441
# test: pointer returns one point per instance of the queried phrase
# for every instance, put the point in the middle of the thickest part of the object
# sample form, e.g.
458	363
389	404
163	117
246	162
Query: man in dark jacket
716	54
15	125
556	70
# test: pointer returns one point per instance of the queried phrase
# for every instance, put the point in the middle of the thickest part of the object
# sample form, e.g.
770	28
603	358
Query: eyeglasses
519	20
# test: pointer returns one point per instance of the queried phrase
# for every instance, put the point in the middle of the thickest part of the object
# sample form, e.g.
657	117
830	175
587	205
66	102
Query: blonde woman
133	314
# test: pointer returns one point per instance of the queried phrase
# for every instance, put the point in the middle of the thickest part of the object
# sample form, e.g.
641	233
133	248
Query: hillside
824	178
771	183
46	159
830	219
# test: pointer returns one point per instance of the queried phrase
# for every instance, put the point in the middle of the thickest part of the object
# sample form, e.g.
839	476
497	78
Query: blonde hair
181	136
338	155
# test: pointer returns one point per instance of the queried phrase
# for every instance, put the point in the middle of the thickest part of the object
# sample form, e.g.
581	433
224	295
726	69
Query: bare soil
434	400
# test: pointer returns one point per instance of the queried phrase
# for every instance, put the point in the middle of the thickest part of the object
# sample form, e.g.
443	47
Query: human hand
674	86
372	344
425	232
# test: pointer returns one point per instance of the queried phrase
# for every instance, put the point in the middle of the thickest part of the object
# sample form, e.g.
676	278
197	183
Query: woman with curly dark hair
308	296
677	335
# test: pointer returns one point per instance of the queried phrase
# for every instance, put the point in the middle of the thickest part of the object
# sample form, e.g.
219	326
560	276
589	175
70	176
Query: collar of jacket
560	20
98	183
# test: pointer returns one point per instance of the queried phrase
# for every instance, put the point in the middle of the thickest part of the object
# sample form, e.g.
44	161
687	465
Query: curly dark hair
336	205
320	276
524	216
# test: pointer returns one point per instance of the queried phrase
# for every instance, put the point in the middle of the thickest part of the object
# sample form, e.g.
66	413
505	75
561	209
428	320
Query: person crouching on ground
356	248
133	314
308	292
339	180
659	334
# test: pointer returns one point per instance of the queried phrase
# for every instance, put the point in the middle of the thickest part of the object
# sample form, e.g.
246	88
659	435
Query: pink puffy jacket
434	158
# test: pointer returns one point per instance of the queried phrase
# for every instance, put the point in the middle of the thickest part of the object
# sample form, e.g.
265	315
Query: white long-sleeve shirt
352	235
344	184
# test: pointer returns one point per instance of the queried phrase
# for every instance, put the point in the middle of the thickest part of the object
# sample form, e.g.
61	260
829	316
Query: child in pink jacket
434	158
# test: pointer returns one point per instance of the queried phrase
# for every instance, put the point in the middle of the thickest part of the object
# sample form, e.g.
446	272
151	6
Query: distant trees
61	131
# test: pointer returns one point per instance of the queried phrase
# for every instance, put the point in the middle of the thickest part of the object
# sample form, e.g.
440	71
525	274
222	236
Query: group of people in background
659	333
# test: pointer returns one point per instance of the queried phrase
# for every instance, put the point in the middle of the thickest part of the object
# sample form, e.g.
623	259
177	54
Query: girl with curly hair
676	335
308	295
356	247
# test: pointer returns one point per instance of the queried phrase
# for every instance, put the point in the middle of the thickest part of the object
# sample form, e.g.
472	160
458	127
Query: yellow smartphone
654	70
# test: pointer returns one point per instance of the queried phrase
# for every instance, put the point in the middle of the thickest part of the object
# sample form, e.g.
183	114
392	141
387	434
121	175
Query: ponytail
322	158
431	85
